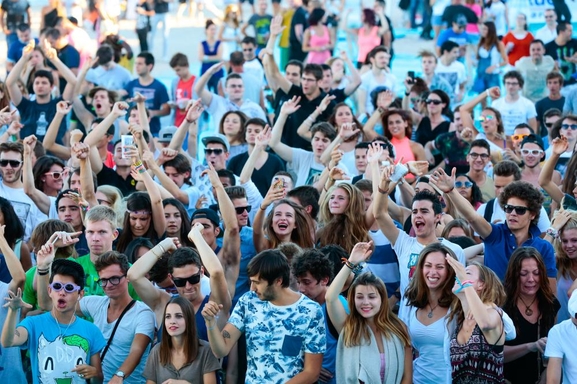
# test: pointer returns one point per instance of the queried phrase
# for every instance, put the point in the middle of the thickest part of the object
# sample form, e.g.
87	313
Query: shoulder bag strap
130	305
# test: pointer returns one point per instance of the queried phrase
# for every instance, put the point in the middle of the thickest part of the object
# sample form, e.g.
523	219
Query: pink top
403	149
473	27
319	41
367	42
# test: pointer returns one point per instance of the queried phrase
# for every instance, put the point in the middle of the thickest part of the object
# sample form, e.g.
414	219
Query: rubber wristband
382	191
43	272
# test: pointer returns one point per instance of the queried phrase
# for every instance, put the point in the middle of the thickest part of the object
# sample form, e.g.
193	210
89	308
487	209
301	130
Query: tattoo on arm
17	333
225	334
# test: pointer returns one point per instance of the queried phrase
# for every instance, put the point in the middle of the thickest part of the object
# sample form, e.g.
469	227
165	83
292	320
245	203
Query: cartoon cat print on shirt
57	358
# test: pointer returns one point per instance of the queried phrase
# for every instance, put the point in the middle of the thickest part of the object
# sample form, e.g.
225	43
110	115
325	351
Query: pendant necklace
528	310
58	324
430	314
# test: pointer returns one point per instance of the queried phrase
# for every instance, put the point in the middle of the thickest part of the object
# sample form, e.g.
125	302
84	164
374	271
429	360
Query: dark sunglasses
475	155
13	163
114	280
461	184
519	210
569	126
181	281
436	102
549	125
216	151
68	288
240	210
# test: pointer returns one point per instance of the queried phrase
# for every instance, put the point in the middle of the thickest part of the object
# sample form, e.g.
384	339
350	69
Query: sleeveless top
51	18
209	51
367	42
403	149
319	41
426	133
476	361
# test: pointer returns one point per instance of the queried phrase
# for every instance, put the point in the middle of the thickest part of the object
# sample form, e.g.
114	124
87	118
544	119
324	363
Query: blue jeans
155	20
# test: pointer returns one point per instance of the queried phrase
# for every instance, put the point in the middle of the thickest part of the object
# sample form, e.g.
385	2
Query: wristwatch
119	374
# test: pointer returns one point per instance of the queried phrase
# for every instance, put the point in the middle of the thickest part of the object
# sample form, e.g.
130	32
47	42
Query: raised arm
559	145
12	263
200	85
62	69
83	114
446	184
346	131
275	79
281	149
467	108
120	108
381	196
82	152
63	108
304	130
354	75
219	291
335	309
165	181
38	197
274	193
13	76
193	112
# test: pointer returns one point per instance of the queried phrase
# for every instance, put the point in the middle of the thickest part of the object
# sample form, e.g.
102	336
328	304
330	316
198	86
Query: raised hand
272	195
120	108
386	174
212	175
374	153
14	128
263	138
210	311
148	158
561	218
80	150
196	230
29	47
276	26
78	199
29	143
135	130
348	130
216	67
138	98
494	92
194	109
385	99
468	135
361	252
418	168
49	51
443	181
63	239
200	202
460	271
336	157
338	174
14	301
63	107
291	106
560	145
325	102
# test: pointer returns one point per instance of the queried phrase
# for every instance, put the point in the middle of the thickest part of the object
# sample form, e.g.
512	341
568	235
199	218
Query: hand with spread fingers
291	106
442	181
14	301
361	252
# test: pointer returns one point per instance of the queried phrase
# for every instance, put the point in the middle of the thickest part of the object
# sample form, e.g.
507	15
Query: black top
426	133
108	176
544	105
15	13
160	6
262	177
560	53
299	17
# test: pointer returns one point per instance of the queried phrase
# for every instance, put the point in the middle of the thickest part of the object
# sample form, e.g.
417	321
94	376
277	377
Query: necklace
528	310
58	324
430	314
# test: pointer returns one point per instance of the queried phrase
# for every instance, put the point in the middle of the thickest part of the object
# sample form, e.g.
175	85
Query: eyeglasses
114	280
13	163
465	184
181	281
415	100
519	210
240	210
55	175
100	202
436	102
549	125
68	287
215	151
511	83
519	137
486	118
563	126
309	80
534	152
475	155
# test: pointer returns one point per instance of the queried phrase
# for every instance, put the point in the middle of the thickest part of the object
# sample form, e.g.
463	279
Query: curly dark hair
315	262
524	191
406	118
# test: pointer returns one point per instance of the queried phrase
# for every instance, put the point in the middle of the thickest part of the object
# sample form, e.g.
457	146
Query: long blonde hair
564	263
356	330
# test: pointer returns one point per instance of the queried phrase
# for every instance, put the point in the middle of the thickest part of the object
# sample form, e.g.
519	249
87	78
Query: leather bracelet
382	191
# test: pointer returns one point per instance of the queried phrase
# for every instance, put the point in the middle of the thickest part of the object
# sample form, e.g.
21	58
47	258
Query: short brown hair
555	75
507	168
112	258
179	60
12	147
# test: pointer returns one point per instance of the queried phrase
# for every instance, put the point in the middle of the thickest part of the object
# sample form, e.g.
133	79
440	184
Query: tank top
429	341
493	54
476	361
209	51
403	149
367	42
317	41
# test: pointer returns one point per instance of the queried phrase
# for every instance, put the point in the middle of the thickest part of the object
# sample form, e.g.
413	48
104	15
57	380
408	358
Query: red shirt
109	162
183	94
521	48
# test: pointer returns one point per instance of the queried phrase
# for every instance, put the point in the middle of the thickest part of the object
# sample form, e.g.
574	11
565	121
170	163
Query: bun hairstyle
208	23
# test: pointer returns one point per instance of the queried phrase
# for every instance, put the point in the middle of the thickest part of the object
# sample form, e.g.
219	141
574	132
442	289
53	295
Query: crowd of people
292	213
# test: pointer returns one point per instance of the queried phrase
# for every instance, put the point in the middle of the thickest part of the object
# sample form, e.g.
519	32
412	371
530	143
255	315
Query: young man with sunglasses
12	188
59	331
566	128
127	350
186	268
522	203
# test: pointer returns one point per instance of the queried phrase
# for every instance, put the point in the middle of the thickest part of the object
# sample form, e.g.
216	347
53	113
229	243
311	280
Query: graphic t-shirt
278	337
183	94
560	54
56	349
261	25
155	94
15	13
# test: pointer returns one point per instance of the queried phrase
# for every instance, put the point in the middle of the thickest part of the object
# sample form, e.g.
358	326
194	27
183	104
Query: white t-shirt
369	82
496	13
439	7
500	217
546	35
137	320
255	68
455	74
306	167
28	213
561	344
219	106
517	112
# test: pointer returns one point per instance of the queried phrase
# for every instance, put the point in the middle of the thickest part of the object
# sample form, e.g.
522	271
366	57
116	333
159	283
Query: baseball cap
533	138
572	306
166	133
460	19
206	213
216	138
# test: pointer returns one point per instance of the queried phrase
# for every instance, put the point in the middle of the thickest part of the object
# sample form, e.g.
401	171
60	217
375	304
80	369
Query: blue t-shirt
54	354
501	243
30	112
449	35
15	50
155	94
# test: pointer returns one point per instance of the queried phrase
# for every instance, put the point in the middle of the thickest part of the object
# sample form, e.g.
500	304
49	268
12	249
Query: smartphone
125	141
278	183
411	74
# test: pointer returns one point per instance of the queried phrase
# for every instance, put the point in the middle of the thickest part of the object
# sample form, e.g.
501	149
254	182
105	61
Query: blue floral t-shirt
278	337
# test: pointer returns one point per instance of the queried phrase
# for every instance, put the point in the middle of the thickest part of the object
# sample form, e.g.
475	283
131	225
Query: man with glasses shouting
127	324
522	203
12	188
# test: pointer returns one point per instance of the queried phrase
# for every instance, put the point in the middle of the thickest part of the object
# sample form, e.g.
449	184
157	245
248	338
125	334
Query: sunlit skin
283	221
234	89
11	175
367	199
100	235
432	108
173	220
516	221
489	126
262	289
210	232
520	133
338	201
361	160
569	242
293	74
69	212
311	288
570	134
309	84
529	277
343	115
435	270
397	126
141	68
464	191
41	87
174	321
101	103
231	126
103	199
75	182
531	160
177	177
243	217
190	291
368	301
139	223
118	159
114	291
473	277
